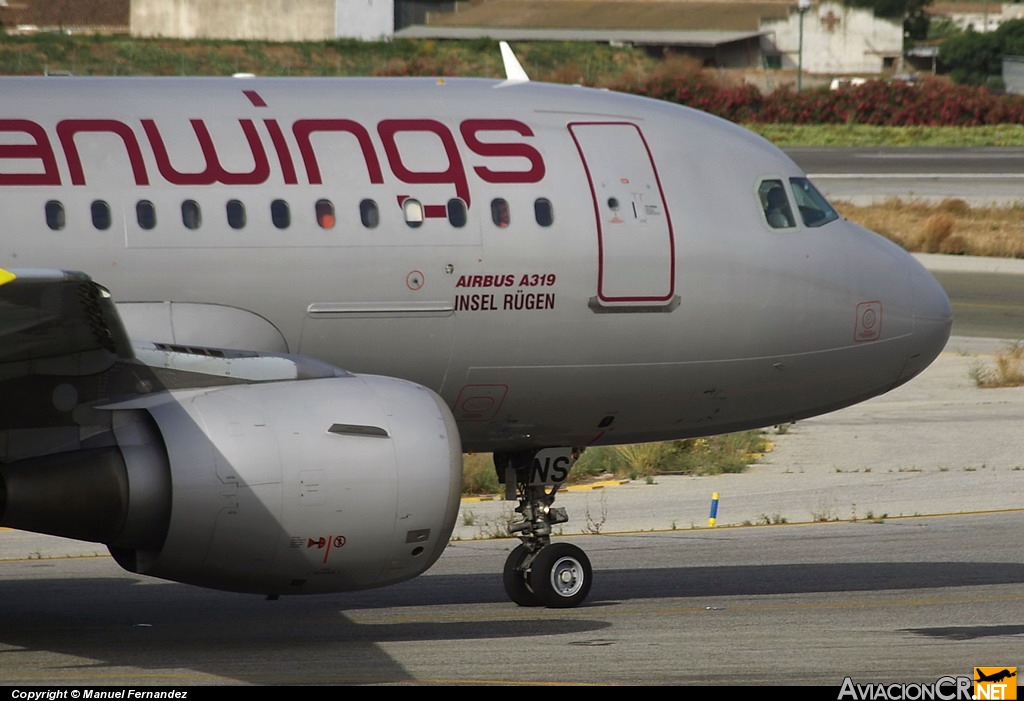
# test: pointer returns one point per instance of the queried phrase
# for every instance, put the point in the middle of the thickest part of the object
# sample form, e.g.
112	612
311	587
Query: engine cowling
308	486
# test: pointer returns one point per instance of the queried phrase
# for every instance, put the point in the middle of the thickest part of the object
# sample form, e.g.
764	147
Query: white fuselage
563	266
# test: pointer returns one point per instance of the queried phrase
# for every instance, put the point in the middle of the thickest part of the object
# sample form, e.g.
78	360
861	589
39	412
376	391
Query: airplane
995	677
499	266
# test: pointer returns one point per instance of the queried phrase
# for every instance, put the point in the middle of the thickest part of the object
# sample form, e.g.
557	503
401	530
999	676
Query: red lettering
41	150
254	98
486	280
281	147
33	151
455	174
304	127
67	129
214	172
471	127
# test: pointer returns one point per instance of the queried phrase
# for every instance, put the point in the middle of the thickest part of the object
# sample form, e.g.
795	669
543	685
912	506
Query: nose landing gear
539	572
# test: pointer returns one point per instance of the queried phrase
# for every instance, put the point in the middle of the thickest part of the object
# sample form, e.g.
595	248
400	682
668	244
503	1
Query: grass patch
951	226
564	62
1007	372
851	135
478	475
731	452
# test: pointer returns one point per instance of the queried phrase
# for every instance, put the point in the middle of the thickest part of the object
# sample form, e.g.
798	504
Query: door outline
656	300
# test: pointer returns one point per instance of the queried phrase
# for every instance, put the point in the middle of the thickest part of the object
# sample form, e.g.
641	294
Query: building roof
637	37
661	15
69	14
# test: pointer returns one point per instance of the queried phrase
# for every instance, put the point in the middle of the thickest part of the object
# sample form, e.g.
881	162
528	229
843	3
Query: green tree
977	59
1010	37
971	57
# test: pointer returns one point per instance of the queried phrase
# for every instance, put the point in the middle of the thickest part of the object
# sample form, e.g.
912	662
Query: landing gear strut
539	572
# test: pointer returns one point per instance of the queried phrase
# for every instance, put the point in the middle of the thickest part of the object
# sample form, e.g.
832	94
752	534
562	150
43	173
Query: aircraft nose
933	319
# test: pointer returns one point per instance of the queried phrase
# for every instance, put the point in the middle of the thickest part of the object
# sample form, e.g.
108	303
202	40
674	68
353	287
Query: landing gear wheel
560	576
514	577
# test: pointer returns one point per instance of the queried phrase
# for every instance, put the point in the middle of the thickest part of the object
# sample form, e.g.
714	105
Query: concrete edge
938	262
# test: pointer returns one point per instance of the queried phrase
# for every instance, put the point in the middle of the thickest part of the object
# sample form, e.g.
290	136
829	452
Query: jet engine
310	486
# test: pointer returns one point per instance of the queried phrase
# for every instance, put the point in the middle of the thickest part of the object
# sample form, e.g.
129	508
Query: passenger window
280	214
775	204
414	213
457	213
325	214
236	214
191	217
543	212
814	208
100	215
500	214
145	213
55	215
369	214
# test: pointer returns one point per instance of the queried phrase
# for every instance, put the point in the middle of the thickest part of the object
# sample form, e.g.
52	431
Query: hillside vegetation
853	116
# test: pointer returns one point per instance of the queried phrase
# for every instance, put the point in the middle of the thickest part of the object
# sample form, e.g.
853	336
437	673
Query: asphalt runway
985	304
926	581
981	176
903	600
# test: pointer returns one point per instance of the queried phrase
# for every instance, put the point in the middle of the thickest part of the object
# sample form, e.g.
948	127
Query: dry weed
955	206
1008	372
934	231
643	458
951	226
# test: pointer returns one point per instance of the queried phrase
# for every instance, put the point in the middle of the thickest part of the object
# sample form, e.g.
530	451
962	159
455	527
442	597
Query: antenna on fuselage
513	69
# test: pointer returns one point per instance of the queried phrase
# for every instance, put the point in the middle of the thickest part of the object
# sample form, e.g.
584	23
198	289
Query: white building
267	20
978	16
836	39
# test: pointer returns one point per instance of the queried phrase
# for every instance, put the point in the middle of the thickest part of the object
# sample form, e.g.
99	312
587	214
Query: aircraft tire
560	576
514	578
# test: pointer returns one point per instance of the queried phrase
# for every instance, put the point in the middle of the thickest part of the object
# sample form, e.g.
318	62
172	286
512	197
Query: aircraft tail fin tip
513	69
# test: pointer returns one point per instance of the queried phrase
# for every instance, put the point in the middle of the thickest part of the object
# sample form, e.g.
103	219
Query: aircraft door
636	249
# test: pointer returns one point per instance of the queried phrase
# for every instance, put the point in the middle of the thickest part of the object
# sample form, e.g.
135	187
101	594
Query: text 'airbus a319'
500	266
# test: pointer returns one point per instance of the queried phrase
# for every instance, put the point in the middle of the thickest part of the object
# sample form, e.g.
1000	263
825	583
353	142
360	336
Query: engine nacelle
309	486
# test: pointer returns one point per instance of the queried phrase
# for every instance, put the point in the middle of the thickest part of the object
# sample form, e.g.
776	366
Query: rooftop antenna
513	70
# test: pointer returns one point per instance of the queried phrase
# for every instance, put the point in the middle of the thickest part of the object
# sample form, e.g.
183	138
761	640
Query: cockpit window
814	209
775	204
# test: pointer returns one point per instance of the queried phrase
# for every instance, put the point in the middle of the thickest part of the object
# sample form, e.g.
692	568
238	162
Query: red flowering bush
932	102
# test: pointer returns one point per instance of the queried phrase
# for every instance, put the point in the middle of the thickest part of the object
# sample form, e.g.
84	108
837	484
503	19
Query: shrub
1008	372
932	102
934	231
478	475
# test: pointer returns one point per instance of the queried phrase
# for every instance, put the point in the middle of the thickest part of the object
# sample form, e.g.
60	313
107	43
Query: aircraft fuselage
563	266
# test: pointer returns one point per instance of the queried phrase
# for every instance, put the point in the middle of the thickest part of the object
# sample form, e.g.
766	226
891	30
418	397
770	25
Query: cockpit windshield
814	209
775	204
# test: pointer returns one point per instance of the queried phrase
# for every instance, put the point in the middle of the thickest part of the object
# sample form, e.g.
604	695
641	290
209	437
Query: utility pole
802	7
